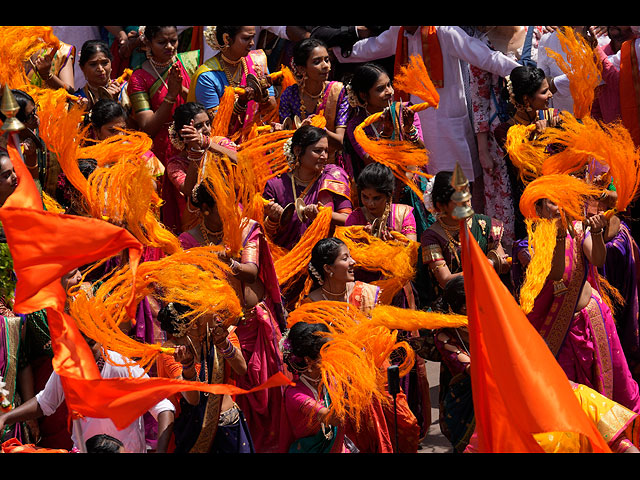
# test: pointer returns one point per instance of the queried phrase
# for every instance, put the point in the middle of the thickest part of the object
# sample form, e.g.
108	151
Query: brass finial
461	196
10	109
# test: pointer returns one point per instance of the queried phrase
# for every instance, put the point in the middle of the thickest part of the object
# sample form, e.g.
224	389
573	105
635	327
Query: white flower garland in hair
211	38
174	138
288	152
315	274
512	99
141	30
426	198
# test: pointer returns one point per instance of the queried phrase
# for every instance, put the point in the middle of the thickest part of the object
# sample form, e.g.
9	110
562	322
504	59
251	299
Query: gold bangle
168	100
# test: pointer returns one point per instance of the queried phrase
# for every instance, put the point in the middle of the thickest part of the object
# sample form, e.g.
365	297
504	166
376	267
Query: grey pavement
435	441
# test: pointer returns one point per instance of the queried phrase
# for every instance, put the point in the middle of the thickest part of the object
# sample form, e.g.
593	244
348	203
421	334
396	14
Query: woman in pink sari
254	280
158	86
573	318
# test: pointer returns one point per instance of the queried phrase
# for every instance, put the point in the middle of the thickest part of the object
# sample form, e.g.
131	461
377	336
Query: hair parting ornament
181	327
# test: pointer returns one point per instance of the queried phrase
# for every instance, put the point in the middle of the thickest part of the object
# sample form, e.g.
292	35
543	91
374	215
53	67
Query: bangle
235	266
169	100
228	350
599	232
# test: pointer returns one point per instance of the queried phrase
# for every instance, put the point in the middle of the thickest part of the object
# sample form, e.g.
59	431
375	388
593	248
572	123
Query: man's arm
165	429
371	48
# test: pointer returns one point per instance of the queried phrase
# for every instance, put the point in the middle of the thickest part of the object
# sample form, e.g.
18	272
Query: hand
311	211
273	211
219	332
183	355
541	125
364	32
248	94
113	89
43	65
174	81
387	129
487	162
192	137
596	223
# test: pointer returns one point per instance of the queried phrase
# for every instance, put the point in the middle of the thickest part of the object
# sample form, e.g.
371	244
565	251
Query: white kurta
448	133
132	436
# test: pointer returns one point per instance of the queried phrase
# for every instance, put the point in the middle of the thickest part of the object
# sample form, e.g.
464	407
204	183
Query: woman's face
540	99
318	64
374	201
8	179
164	44
97	70
241	44
202	123
32	120
342	267
547	209
111	128
315	156
381	93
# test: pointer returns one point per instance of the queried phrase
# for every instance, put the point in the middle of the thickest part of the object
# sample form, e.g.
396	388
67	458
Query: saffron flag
45	246
519	390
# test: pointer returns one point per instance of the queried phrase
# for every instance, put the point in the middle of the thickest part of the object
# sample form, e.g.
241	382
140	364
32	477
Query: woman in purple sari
310	179
573	318
315	93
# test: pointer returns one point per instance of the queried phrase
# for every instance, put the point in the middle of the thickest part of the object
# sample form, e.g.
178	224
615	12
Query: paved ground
434	442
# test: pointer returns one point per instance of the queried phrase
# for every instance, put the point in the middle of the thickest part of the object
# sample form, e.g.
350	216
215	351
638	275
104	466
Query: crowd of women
335	223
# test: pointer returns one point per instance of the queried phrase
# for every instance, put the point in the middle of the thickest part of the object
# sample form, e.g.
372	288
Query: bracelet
599	232
235	266
169	100
228	350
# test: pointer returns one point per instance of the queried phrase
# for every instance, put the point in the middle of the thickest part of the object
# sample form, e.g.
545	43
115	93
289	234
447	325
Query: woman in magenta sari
315	93
254	280
310	179
306	425
236	58
573	318
158	86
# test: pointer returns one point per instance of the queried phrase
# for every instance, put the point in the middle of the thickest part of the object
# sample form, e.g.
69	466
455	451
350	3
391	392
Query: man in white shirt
47	401
448	133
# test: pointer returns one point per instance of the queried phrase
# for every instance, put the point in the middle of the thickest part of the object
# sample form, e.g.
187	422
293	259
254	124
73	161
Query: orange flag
518	387
45	246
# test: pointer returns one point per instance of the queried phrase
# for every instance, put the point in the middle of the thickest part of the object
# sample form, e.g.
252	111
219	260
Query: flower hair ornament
288	152
178	323
295	363
512	99
211	38
426	198
352	98
314	273
175	139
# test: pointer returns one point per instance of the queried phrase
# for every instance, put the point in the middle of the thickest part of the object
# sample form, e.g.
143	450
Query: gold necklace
204	231
231	75
303	108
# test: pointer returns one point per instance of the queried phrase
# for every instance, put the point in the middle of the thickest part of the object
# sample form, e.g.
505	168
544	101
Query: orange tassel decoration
527	155
196	278
569	193
395	259
222	118
17	44
352	360
542	242
414	79
582	67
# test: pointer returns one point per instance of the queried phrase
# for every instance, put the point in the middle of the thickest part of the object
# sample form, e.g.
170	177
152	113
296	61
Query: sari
299	433
333	180
147	93
259	334
334	106
66	53
210	81
9	348
585	343
622	269
457	418
203	428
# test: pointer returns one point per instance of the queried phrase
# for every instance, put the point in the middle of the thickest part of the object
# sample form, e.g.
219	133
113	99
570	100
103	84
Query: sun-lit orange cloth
44	247
14	445
518	387
630	89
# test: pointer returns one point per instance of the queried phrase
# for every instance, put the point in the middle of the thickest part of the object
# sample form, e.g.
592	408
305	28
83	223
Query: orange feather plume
17	44
525	154
582	67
